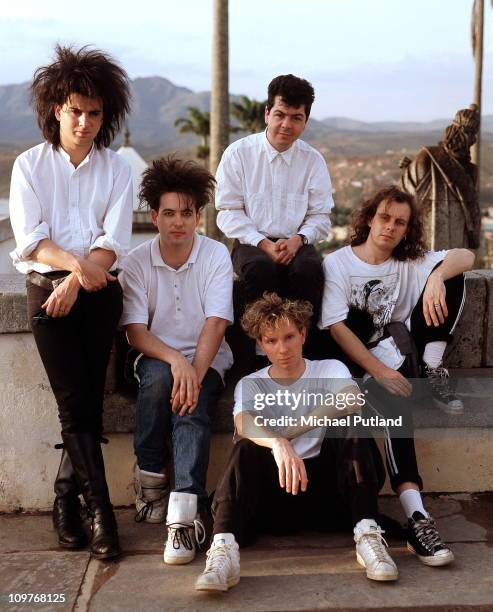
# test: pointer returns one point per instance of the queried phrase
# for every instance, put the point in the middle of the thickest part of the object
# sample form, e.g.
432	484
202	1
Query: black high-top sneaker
424	541
442	390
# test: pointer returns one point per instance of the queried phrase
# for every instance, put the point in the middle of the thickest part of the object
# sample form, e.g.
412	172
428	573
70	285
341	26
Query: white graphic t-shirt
387	291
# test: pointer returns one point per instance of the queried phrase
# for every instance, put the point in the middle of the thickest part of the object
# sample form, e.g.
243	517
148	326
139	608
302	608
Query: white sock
226	538
433	353
412	502
155	474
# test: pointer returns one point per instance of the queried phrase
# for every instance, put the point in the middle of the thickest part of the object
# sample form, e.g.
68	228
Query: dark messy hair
271	310
293	91
170	174
412	247
89	73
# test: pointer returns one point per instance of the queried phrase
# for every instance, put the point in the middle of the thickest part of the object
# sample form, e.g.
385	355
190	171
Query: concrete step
310	571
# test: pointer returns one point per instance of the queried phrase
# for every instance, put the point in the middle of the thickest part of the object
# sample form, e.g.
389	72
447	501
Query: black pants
75	351
400	452
302	279
343	484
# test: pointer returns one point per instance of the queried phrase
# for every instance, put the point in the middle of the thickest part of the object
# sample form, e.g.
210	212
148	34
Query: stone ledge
5	229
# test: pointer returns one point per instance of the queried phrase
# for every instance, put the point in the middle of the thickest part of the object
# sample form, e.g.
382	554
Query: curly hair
293	90
89	73
170	174
413	246
270	311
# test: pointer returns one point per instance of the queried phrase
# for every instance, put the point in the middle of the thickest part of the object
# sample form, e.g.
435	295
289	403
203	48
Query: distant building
142	228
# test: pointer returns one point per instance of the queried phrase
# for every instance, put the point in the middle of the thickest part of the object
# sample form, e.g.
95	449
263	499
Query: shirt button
178	309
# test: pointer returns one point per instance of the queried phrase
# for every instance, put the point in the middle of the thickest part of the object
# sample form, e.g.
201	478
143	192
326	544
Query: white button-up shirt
174	304
262	192
79	209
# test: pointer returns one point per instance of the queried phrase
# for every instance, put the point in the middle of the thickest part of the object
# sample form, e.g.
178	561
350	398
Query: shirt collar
66	156
272	152
157	260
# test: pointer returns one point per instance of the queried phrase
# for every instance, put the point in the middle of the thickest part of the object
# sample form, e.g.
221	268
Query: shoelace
427	533
375	539
180	534
144	512
438	378
216	557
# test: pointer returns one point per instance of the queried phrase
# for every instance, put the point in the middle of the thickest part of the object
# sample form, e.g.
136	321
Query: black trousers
75	351
400	452
302	279
343	485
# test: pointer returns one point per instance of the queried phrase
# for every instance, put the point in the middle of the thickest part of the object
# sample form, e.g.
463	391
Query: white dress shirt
262	192
79	209
174	304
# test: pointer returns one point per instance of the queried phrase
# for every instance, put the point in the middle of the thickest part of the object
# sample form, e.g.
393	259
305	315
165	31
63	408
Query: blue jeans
190	434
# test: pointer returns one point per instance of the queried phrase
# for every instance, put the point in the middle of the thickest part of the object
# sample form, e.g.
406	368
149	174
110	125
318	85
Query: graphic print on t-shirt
376	296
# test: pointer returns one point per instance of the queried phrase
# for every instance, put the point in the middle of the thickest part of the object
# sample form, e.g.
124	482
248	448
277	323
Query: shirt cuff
27	244
254	238
308	233
110	244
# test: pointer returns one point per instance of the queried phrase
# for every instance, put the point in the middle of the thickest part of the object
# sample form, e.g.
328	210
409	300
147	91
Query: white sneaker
185	530
371	553
152	496
222	569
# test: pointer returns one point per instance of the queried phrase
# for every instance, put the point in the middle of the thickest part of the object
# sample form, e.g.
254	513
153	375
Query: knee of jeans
154	374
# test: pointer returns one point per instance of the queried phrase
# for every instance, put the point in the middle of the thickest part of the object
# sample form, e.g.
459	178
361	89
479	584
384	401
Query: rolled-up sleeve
25	214
117	223
219	293
316	224
232	218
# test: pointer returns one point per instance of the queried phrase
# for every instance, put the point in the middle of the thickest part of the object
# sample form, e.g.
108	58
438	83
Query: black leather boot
67	519
87	459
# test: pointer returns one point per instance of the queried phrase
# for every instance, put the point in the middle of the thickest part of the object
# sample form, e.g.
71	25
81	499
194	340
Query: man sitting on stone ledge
274	197
71	212
288	473
377	289
177	305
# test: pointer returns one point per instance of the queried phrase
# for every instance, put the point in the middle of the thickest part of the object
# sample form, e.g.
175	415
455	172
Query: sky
371	60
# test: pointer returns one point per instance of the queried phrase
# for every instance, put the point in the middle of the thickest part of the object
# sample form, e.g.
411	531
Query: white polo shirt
79	209
264	192
174	304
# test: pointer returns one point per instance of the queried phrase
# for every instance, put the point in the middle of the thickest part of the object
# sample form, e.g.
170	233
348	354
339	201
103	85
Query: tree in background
199	123
250	114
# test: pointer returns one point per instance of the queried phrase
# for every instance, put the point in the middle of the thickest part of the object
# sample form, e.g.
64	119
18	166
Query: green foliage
199	123
250	114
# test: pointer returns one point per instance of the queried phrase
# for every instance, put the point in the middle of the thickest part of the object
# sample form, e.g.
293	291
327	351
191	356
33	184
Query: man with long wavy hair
382	285
71	212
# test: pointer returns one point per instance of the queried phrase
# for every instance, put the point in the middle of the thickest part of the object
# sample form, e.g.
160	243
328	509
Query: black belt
49	280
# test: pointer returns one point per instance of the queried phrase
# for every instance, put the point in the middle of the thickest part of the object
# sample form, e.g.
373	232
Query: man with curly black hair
71	212
392	306
274	196
177	304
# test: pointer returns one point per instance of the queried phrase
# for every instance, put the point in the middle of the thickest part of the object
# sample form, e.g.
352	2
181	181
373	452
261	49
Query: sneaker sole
372	576
433	561
447	409
178	560
218	587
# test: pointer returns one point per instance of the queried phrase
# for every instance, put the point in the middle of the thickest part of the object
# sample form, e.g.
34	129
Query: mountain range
157	103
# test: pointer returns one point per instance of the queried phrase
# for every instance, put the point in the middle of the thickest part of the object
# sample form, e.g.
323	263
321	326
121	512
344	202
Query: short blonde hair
270	311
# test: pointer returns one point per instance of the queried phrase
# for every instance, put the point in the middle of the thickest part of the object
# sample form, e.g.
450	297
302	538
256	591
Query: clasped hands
86	274
283	251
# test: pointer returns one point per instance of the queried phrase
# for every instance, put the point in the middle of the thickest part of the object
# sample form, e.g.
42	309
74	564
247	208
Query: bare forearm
150	345
210	339
102	257
50	254
456	262
247	428
355	349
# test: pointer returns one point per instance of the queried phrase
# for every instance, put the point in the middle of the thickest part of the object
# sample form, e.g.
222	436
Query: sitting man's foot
152	491
185	529
222	569
371	553
442	390
425	542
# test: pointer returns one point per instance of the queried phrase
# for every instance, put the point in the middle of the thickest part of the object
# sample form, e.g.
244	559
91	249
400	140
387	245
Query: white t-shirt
388	291
327	376
79	209
174	304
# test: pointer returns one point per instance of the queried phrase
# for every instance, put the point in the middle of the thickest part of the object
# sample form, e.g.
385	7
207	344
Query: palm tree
250	114
199	123
477	26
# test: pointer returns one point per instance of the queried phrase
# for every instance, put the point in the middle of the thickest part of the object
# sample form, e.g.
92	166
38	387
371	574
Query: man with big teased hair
71	212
